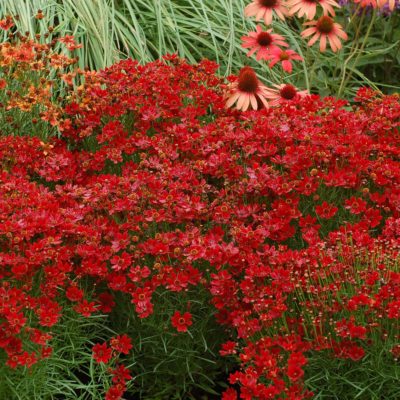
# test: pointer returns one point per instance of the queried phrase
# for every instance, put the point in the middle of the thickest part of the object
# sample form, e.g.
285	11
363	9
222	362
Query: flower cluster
154	185
33	73
246	91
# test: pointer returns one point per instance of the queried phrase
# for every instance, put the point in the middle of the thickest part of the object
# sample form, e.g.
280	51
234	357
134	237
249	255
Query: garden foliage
156	244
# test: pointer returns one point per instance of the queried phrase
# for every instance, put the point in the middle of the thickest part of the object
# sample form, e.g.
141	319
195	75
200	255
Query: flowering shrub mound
287	217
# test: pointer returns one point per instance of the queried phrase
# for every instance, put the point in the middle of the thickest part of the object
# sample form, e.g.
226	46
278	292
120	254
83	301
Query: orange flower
308	8
246	91
70	43
265	9
262	42
284	93
6	23
324	28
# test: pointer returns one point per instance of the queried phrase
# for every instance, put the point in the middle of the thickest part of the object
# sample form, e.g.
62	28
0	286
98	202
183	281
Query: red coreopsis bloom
181	321
115	393
356	205
121	344
27	359
73	293
294	372
228	348
122	262
6	23
101	352
39	337
49	314
85	308
120	374
326	210
229	394
70	43
106	302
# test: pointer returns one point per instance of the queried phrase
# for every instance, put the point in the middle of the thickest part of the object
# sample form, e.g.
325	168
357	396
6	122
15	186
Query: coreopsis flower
120	374
325	29
308	8
6	23
285	57
101	353
121	343
246	91
39	15
283	93
70	43
181	321
262	43
264	9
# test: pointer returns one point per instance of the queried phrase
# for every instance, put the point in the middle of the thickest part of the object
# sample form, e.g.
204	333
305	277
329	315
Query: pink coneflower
262	42
264	9
246	91
308	8
324	28
284	93
285	57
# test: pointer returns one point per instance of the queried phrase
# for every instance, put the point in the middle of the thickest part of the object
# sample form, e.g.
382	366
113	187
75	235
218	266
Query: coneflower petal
231	101
253	102
322	45
308	32
314	39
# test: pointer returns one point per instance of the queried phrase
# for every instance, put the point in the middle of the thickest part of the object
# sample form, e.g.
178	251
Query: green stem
345	79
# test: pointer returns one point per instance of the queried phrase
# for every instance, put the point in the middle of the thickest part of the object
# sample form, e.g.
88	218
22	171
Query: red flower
326	210
49	313
294	372
27	359
107	302
356	205
120	374
181	321
6	23
355	352
228	348
115	393
229	394
85	308
73	293
101	353
121	344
